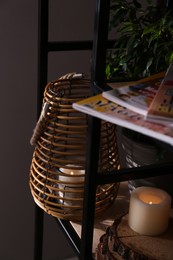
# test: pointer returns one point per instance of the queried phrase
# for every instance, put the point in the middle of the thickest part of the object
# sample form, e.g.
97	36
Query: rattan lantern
57	170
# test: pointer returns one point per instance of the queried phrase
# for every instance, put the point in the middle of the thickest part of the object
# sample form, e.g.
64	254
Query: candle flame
150	202
71	173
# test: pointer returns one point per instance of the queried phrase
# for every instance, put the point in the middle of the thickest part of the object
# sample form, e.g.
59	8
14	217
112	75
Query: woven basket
58	165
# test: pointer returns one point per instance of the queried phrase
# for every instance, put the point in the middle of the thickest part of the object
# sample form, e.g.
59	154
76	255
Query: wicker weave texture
57	170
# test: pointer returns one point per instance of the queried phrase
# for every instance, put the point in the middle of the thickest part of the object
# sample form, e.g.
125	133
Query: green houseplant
144	39
144	46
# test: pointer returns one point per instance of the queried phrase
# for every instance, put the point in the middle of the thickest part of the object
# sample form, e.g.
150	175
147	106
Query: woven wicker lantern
58	165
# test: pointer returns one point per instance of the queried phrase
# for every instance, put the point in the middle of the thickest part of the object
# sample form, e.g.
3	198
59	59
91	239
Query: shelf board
106	219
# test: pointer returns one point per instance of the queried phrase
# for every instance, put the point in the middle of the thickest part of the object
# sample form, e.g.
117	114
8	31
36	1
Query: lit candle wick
149	211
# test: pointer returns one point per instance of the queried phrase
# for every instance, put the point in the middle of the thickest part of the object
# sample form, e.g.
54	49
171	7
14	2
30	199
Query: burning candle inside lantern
71	176
71	185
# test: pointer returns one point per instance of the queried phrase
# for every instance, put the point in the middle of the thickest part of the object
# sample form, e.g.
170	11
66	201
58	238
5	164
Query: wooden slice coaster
121	242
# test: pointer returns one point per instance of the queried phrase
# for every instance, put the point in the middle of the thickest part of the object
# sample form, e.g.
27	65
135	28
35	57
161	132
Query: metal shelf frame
83	245
44	47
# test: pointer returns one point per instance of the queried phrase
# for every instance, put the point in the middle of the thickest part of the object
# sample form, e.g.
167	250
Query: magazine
161	107
136	96
104	109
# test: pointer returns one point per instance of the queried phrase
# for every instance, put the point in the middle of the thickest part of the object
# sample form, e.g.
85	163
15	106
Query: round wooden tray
121	242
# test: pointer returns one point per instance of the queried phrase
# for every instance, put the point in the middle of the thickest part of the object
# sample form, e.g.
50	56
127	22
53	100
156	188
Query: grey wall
18	75
70	20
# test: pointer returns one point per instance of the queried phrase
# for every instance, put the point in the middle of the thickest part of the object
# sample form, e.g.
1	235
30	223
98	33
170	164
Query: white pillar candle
71	185
72	175
149	211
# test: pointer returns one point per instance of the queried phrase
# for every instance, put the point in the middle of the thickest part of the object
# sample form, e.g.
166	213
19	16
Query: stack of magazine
145	106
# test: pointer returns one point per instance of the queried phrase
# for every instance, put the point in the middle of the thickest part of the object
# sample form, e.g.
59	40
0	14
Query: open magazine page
104	109
161	108
135	96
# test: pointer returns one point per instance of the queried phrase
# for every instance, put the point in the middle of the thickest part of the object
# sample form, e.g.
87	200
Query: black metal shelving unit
83	245
44	48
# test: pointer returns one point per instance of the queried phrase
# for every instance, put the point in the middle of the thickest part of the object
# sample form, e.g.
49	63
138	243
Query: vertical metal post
90	189
100	42
38	235
43	13
97	77
41	81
